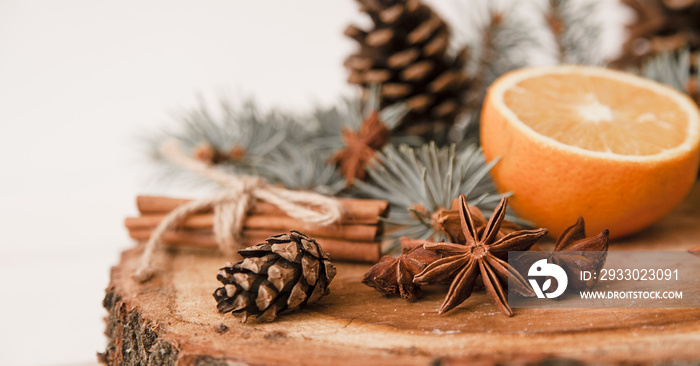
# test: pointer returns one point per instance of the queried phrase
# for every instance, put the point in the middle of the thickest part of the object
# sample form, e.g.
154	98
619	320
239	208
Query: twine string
230	206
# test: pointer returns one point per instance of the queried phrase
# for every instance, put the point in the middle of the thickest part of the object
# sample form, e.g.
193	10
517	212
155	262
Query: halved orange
619	150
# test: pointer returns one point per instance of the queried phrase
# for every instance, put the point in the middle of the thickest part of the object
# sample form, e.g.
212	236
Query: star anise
448	221
479	256
578	253
361	147
574	253
394	275
695	251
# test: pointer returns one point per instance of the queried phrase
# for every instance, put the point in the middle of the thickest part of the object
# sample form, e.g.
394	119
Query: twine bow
231	205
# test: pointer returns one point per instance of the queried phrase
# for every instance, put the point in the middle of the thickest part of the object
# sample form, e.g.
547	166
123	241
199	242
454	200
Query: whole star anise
448	222
479	256
394	275
360	147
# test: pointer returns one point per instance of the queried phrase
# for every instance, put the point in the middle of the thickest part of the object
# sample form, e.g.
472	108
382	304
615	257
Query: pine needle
418	182
671	68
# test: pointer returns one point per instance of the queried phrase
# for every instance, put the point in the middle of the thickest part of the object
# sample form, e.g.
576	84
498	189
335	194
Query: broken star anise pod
577	253
479	256
394	275
360	147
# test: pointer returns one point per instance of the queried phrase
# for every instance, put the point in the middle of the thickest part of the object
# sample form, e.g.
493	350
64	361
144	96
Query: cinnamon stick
158	204
361	251
179	237
357	211
280	223
337	249
354	239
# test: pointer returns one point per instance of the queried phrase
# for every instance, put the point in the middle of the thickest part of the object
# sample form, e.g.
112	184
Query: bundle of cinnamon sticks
355	238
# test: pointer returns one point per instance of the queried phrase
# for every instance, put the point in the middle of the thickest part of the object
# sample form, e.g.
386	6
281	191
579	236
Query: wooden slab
173	318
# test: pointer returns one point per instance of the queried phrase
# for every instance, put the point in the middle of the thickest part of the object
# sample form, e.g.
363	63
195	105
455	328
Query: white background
79	82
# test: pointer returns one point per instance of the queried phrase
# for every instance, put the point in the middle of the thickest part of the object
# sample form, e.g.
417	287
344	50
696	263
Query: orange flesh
598	114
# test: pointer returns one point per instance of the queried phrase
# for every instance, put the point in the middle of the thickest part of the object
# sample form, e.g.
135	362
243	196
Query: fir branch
660	26
489	52
353	134
555	21
576	30
244	140
329	122
349	114
502	43
274	145
506	46
678	69
694	84
240	135
419	182
302	167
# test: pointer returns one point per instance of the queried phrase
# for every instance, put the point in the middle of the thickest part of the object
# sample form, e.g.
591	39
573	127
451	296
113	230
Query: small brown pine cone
285	272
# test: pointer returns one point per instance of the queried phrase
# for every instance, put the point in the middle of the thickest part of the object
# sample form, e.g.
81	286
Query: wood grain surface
173	319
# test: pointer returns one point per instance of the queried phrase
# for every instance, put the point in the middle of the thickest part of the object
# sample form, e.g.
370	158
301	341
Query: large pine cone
661	26
286	272
407	53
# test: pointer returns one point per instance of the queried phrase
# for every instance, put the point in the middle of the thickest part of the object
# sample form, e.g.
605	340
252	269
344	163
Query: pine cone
661	25
288	271
407	53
